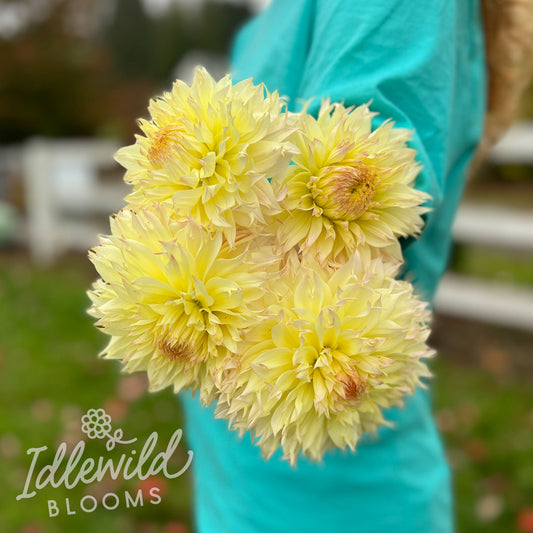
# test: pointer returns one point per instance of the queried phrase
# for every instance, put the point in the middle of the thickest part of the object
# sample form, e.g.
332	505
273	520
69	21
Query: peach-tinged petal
174	299
354	186
338	349
211	148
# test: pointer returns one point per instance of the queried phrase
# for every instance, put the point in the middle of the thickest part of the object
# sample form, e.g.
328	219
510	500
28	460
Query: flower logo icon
96	424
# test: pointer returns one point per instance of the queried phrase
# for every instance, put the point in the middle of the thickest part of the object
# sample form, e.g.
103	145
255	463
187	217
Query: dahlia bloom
267	285
335	350
350	187
173	298
209	151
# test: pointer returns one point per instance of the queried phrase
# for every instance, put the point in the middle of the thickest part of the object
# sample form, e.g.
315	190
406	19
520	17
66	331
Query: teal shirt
421	64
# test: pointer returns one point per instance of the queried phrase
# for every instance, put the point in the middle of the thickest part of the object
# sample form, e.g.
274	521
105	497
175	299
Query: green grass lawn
52	376
487	425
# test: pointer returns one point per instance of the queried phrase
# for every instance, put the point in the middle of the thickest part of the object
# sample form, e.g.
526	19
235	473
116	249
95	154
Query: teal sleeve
422	65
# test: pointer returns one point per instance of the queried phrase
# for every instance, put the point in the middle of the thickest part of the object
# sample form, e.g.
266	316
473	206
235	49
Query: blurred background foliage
87	68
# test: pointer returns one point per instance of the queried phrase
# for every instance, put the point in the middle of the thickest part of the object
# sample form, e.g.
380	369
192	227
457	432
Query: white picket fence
489	301
67	204
501	228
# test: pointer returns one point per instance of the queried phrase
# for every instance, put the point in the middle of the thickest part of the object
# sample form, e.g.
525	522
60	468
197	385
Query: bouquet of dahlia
257	259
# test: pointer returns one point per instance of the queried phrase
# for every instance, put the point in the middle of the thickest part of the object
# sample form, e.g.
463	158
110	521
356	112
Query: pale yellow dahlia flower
349	186
209	151
335	351
173	298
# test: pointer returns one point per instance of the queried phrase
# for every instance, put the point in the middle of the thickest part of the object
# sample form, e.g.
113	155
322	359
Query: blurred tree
218	23
131	38
57	77
175	35
89	67
47	79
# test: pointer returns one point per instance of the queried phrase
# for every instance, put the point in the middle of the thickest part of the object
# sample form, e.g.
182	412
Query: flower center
174	350
163	142
353	386
344	193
